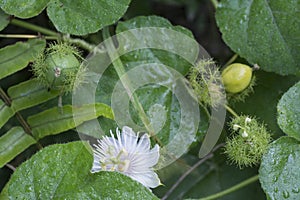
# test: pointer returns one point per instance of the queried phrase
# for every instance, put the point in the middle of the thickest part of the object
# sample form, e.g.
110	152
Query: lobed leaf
4	20
5	113
29	93
17	56
84	17
23	8
13	143
288	110
264	32
62	171
57	120
279	173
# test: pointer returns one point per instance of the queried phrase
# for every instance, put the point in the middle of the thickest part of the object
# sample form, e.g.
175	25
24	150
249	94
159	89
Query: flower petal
148	179
144	143
129	139
143	161
96	166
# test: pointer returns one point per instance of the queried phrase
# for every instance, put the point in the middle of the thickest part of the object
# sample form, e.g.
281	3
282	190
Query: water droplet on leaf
295	190
286	194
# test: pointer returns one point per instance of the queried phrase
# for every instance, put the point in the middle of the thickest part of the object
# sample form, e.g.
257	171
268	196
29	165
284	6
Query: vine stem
231	189
229	109
10	167
231	60
118	65
197	164
27	36
215	3
34	27
50	35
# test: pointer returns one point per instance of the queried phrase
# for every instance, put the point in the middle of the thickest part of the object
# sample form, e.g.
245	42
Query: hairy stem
215	3
232	189
229	109
27	36
231	60
83	44
10	167
50	35
118	65
33	27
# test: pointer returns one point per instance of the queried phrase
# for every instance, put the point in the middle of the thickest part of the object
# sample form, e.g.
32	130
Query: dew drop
295	190
276	189
275	179
273	161
286	194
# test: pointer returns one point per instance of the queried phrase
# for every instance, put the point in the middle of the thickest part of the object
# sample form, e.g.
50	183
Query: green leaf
189	50
264	32
279	173
158	92
4	20
23	8
57	120
4	193
262	103
29	93
12	143
62	171
16	57
5	113
81	17
288	110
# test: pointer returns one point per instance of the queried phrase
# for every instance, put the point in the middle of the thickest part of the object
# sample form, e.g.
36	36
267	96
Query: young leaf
5	113
4	20
16	57
81	17
62	171
264	32
57	120
12	143
279	173
23	8
29	93
288	110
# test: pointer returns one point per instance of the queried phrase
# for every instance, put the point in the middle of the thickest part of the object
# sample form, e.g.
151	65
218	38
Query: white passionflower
128	154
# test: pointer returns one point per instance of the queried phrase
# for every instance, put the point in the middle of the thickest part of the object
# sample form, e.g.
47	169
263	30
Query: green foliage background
259	32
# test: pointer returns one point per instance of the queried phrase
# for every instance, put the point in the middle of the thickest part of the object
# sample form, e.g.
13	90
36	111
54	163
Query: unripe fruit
236	77
58	66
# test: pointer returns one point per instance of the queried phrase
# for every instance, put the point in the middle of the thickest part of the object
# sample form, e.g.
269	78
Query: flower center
112	162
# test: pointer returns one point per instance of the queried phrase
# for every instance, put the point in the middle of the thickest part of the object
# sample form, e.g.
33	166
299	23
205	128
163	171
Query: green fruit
58	66
236	77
